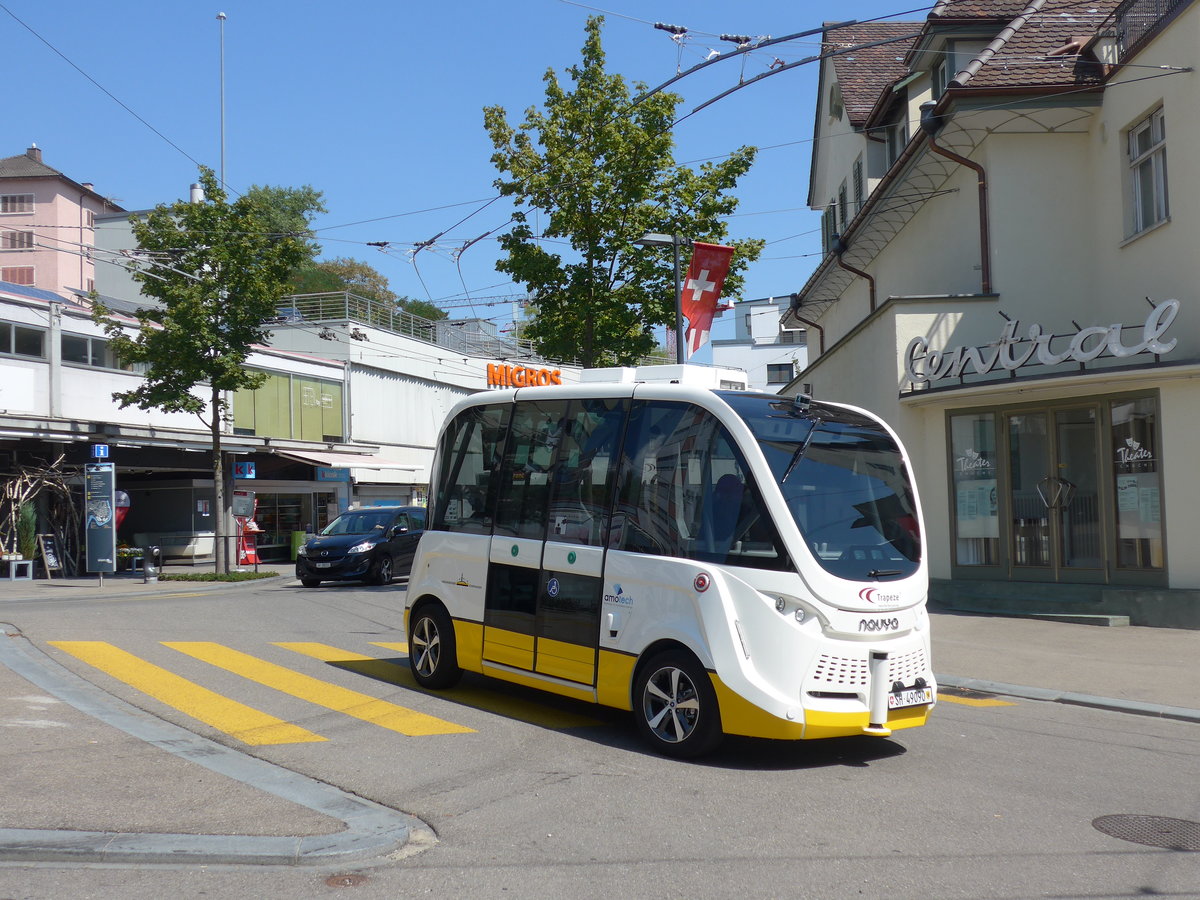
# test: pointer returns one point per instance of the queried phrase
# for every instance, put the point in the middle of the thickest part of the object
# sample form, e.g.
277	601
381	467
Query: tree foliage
600	171
357	277
218	271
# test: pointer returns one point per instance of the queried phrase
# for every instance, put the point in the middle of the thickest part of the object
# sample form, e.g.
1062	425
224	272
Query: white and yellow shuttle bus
717	562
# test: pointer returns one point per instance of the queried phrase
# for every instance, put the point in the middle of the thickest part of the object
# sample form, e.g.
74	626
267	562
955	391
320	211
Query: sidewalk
126	584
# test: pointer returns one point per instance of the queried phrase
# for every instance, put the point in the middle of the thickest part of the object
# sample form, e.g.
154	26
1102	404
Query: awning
348	460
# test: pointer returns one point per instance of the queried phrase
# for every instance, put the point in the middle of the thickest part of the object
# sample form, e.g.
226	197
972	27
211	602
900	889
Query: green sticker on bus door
571	557
515	550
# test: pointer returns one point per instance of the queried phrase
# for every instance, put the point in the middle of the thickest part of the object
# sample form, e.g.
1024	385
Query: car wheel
432	654
383	570
675	705
311	582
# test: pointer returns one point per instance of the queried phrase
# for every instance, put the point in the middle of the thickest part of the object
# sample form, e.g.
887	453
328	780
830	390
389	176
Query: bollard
150	565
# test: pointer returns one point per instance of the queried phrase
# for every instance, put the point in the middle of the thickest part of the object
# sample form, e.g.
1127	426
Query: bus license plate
914	697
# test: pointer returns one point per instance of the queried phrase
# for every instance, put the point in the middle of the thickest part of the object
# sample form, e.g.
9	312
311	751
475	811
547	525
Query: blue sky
379	105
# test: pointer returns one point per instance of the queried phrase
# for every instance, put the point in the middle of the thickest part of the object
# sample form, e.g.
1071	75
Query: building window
843	211
89	218
19	340
779	373
857	178
976	513
92	351
17	274
1137	487
897	137
1148	172
828	227
940	77
16	203
16	240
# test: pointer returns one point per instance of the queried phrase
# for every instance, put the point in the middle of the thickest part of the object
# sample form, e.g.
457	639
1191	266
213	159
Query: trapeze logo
876	596
620	598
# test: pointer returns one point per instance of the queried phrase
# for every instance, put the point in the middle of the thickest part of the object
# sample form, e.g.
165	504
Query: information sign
100	531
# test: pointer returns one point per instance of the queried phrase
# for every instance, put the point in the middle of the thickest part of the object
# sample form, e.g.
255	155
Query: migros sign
500	375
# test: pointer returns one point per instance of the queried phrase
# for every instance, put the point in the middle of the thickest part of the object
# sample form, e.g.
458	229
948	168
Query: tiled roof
24	166
977	10
1023	60
865	73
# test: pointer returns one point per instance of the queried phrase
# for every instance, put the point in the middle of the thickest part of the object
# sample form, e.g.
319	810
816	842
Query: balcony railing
457	336
1137	19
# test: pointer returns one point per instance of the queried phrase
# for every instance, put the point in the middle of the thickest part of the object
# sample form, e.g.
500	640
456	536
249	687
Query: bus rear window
845	484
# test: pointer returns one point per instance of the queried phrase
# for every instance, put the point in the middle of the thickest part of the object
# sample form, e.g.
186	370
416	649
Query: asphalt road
527	795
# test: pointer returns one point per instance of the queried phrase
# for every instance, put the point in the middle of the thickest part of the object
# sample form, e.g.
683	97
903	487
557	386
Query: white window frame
1148	171
16	204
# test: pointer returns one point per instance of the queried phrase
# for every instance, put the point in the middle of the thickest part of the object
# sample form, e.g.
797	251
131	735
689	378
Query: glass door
1056	524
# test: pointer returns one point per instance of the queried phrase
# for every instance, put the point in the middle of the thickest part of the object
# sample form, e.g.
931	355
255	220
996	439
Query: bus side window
535	432
582	484
465	483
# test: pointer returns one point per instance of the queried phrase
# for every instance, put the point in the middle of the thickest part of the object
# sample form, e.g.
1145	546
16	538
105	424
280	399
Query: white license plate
323	565
914	697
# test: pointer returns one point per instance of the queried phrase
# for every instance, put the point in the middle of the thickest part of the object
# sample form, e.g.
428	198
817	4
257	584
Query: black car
372	543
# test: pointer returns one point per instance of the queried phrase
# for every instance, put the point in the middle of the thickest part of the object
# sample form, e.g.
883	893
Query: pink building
46	225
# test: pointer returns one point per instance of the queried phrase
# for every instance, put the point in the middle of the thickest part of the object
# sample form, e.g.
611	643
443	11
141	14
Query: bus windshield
844	481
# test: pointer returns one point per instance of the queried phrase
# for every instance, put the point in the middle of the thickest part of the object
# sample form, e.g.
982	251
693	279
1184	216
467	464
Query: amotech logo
500	375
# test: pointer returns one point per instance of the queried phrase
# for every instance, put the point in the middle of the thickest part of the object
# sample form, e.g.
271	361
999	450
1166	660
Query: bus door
547	555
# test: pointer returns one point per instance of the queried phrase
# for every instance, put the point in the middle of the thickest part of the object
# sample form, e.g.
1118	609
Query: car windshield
845	483
359	522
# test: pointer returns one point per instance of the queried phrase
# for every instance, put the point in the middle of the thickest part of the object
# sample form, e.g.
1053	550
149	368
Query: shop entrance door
1055	506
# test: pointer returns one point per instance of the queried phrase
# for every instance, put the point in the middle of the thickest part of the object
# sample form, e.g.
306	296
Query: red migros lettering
500	375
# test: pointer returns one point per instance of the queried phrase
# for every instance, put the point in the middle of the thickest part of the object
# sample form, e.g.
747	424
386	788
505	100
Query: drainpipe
813	325
839	247
930	124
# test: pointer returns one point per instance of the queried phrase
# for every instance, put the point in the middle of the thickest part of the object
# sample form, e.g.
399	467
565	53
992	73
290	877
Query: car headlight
364	547
302	551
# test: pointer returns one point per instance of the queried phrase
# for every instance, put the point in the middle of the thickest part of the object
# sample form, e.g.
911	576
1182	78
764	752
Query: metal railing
456	335
1136	19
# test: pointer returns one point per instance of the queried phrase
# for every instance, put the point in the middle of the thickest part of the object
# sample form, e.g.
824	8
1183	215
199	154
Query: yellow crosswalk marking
398	646
534	713
322	693
248	725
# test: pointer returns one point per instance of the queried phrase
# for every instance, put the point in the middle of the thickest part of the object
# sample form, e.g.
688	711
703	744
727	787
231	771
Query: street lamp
674	241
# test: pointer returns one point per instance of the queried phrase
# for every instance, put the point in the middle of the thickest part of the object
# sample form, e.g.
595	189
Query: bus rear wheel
432	654
675	705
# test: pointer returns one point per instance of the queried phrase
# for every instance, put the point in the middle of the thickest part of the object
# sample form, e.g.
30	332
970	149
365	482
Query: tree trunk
220	554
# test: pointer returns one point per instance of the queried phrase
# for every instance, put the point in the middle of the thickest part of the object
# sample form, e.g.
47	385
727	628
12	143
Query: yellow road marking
974	701
488	701
398	646
322	693
246	724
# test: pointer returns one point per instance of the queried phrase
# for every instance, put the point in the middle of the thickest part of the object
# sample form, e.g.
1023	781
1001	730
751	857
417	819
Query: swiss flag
702	289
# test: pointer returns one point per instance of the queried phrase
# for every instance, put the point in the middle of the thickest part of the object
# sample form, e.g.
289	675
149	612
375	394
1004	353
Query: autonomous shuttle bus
717	562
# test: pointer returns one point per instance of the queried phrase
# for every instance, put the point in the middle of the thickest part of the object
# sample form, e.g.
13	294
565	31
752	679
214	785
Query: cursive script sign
922	365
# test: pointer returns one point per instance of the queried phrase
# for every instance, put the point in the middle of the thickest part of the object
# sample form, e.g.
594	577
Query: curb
157	589
1134	707
372	829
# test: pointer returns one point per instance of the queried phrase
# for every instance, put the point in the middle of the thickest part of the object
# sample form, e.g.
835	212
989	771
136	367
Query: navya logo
878	597
620	598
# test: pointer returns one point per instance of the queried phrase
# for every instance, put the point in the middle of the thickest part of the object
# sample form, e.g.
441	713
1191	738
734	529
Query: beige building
1011	279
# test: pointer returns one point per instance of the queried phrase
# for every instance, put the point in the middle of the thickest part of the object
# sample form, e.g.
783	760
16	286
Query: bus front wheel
432	654
675	705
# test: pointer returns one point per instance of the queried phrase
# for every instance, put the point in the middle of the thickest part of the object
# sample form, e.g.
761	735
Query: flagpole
680	345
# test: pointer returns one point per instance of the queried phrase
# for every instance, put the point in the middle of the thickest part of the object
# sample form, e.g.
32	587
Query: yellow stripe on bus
248	725
531	712
322	693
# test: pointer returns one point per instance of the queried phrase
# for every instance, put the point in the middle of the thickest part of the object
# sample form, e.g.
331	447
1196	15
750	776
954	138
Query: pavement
60	729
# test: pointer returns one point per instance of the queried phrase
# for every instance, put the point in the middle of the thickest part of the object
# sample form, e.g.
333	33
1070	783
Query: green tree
218	271
357	277
601	172
290	211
